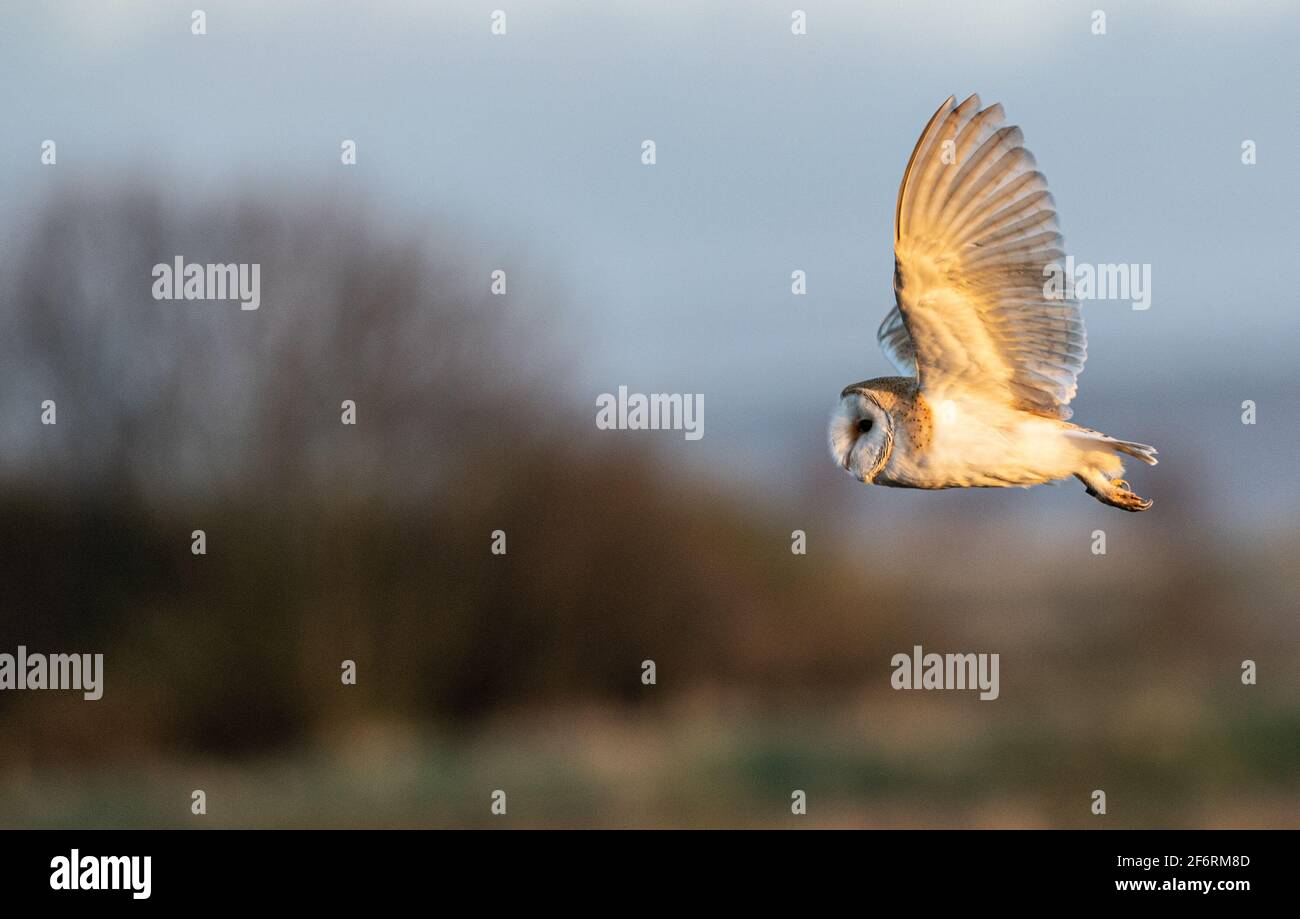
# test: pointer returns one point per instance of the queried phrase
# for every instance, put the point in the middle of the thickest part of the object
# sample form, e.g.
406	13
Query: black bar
331	868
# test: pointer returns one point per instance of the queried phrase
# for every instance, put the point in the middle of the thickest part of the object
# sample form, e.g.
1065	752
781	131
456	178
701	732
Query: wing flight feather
974	230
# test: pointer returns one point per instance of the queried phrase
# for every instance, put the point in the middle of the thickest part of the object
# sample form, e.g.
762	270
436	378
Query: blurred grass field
705	766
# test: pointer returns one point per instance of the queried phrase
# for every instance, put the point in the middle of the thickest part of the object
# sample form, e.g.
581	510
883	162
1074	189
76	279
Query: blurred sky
775	152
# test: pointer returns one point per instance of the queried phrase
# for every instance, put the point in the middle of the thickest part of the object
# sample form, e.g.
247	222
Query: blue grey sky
775	152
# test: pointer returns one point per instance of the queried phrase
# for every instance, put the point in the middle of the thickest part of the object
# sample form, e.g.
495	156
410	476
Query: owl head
861	432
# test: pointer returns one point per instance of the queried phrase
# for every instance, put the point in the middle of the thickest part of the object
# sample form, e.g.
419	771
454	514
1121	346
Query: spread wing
974	230
897	344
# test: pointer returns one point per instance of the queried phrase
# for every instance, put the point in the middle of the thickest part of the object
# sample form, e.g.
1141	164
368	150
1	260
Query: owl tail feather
1145	453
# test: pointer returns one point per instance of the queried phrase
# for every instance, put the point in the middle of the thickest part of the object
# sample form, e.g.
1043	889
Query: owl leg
1114	492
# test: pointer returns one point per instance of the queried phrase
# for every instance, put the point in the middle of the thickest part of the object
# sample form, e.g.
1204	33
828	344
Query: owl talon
1115	492
1127	501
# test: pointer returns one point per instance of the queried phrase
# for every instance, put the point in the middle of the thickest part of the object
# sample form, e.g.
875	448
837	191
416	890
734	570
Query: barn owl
990	358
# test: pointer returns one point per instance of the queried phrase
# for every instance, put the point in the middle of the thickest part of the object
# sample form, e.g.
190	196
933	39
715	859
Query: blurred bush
329	542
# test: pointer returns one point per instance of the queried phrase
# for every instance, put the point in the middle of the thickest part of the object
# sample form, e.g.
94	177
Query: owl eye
864	425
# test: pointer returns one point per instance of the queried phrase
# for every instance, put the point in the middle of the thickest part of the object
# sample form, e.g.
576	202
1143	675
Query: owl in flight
990	358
